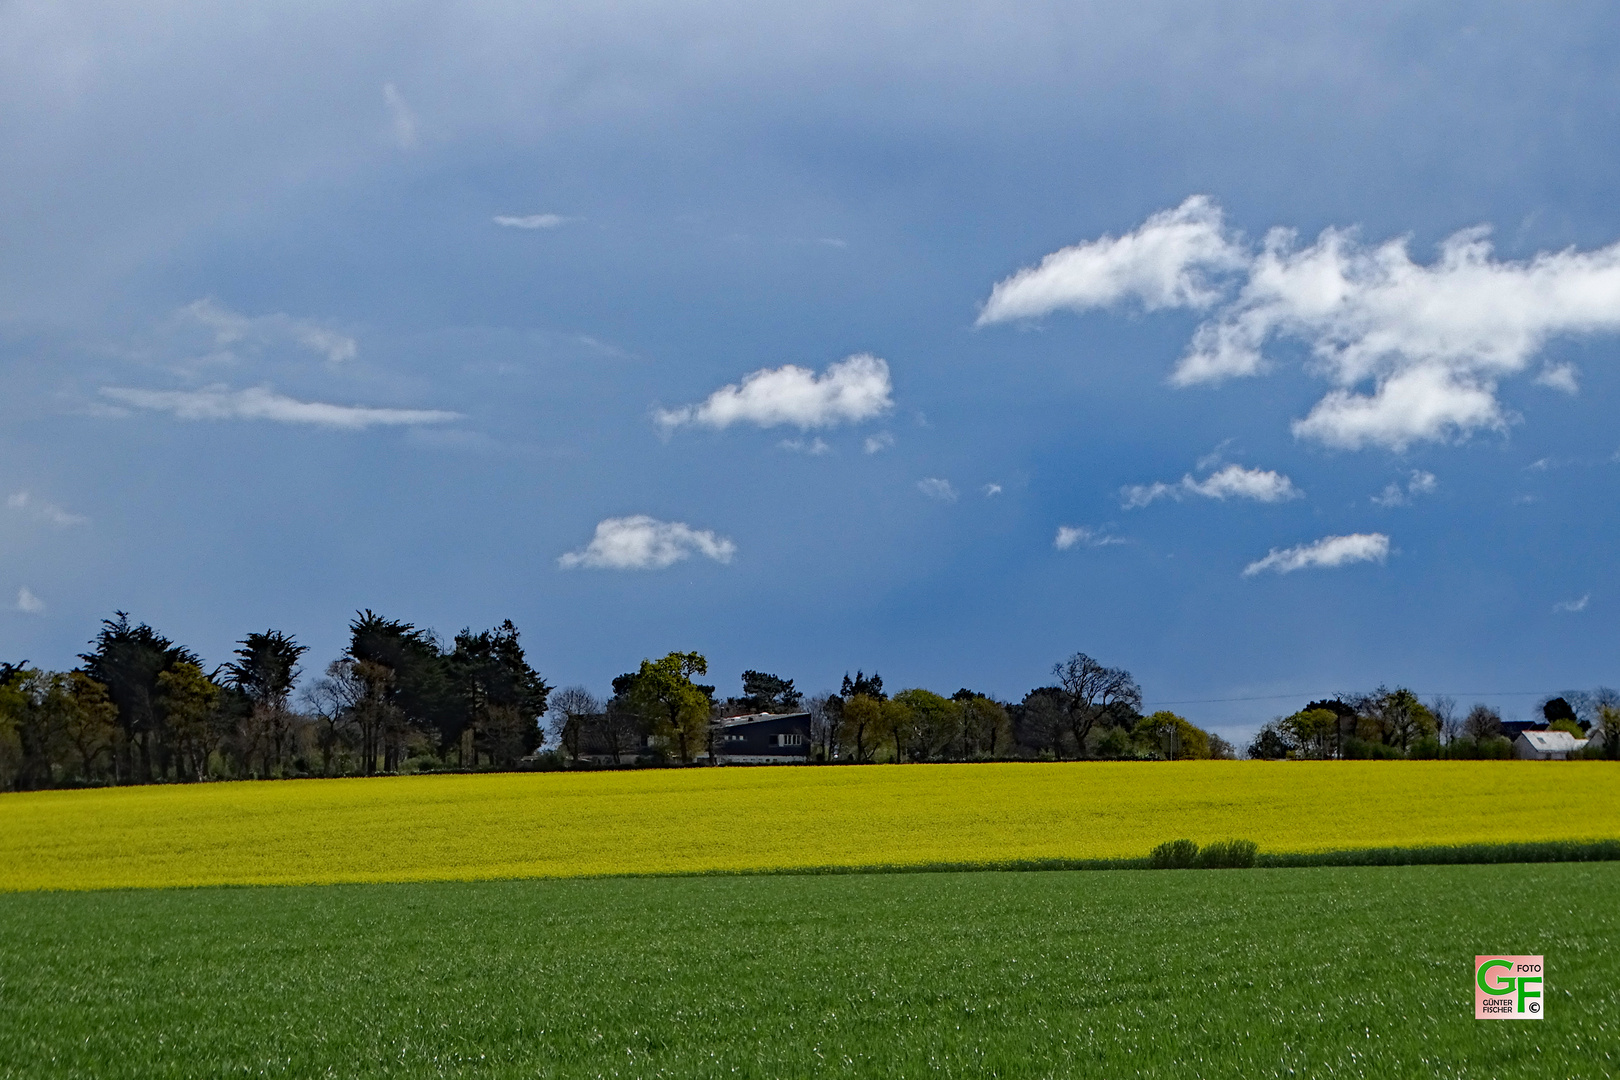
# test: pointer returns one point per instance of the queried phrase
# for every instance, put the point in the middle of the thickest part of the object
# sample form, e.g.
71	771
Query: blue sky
272	354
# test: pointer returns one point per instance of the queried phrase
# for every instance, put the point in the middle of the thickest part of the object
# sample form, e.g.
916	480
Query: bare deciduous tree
572	708
1091	690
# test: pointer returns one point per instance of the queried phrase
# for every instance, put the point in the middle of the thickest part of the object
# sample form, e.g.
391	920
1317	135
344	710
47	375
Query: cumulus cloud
1069	536
1573	605
1232	482
231	329
854	389
1420	483
1328	552
28	603
530	221
991	489
1414	352
935	488
645	543
1164	264
50	513
261	403
881	441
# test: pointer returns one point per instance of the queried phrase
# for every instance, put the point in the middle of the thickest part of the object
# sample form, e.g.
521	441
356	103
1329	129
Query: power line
1308	697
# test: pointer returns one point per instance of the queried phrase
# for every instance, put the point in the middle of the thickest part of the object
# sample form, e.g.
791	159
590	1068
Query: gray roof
1553	742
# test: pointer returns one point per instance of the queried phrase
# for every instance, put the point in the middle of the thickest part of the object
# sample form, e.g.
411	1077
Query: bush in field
1227	855
1427	749
1173	855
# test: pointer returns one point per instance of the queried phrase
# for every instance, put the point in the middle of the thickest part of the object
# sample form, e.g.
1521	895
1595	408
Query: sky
1265	350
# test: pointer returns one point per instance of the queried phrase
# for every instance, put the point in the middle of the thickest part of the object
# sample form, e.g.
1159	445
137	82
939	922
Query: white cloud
1427	403
1420	483
854	389
1069	536
1328	552
1163	264
28	603
815	447
231	328
43	511
991	489
644	543
1560	377
935	488
1573	605
881	441
404	121
1415	352
260	403
1234	481
531	221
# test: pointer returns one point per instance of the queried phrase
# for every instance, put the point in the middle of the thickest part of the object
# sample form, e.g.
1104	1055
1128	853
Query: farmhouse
763	739
1547	745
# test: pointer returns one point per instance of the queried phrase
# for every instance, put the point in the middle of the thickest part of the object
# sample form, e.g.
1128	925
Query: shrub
1426	748
1227	855
1173	855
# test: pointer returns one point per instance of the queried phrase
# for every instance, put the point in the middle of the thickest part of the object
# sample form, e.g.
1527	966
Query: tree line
142	709
1387	723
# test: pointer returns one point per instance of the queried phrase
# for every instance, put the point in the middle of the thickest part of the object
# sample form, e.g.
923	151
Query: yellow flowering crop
736	819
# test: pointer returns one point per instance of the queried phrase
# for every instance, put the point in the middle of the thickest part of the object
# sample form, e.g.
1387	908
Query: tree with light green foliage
1178	739
678	708
186	698
1312	731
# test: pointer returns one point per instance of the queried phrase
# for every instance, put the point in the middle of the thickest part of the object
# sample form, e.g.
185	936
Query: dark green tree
501	697
127	660
265	671
860	684
407	688
763	692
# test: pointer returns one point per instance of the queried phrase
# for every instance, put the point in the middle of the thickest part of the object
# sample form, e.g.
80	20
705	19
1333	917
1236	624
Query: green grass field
1260	973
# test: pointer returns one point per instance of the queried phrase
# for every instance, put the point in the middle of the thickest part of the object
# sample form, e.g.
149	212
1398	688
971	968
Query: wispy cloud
935	488
531	221
1420	483
645	543
1070	536
813	447
1232	482
28	603
991	489
1573	605
1326	553
261	403
875	443
404	121
1431	341
851	390
50	513
232	330
1560	377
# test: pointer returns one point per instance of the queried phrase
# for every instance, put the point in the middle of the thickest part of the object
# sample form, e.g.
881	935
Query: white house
1547	745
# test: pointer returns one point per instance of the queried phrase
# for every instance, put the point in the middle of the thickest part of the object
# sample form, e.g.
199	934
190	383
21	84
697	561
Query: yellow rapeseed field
737	819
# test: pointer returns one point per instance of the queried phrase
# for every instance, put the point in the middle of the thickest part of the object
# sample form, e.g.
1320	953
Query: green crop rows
1241	973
